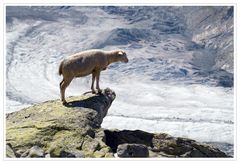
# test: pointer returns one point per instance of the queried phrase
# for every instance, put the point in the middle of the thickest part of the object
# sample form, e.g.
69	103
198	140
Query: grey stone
36	152
19	152
24	154
208	150
47	156
132	150
9	151
71	154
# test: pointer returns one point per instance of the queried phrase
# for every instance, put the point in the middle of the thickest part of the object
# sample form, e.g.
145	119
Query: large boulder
59	130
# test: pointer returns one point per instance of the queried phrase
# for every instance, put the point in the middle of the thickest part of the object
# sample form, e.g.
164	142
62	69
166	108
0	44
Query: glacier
179	78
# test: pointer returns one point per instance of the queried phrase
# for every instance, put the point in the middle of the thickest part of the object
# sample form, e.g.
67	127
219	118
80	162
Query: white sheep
85	63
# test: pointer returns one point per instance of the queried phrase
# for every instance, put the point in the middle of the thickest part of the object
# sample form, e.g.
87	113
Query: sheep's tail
60	68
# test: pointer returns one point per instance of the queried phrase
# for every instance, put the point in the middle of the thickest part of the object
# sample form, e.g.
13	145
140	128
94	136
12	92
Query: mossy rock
56	127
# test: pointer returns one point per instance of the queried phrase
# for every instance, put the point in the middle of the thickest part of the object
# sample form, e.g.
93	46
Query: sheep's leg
63	86
61	83
97	79
93	80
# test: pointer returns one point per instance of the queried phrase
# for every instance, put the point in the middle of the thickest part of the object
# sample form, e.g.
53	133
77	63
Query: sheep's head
122	56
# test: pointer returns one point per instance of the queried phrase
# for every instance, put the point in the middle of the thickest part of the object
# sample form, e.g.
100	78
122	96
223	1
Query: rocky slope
51	129
213	31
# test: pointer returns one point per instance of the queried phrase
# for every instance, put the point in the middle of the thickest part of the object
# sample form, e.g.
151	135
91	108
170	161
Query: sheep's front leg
63	85
97	79
93	80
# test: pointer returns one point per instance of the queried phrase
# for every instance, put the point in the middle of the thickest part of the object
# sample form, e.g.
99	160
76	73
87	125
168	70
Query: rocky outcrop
51	129
61	131
159	144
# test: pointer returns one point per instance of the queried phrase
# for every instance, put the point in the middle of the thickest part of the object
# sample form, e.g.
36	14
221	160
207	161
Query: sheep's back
84	63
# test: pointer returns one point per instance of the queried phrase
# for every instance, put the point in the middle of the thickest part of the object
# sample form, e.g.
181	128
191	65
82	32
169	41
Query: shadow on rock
99	102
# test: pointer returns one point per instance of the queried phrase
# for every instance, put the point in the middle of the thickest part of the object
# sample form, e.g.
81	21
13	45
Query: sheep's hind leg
62	94
93	80
61	82
63	85
97	80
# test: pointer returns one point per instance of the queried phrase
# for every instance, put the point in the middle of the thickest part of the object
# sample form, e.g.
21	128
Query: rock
20	152
116	137
183	147
159	144
90	145
132	150
104	152
60	129
24	154
51	129
170	145
208	150
109	155
71	154
193	153
152	154
47	156
9	151
35	152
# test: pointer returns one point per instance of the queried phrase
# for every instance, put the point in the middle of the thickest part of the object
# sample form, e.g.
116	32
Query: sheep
86	63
